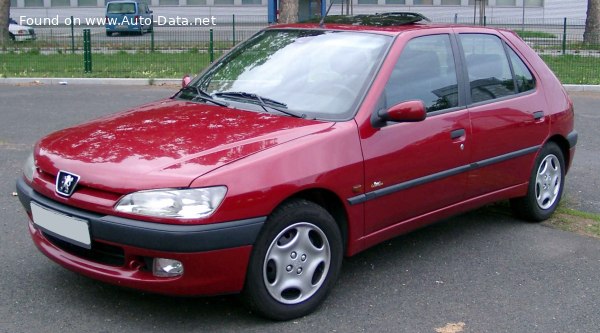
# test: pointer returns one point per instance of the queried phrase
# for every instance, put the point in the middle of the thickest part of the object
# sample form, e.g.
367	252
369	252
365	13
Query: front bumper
215	256
22	38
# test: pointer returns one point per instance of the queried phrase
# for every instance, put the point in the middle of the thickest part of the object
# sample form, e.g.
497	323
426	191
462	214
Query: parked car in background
19	32
128	16
302	145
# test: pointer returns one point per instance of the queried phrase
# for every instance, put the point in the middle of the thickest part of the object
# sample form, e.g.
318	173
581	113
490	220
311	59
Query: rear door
508	113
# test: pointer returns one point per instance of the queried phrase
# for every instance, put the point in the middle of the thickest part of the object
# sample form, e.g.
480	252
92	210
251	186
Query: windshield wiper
264	102
201	94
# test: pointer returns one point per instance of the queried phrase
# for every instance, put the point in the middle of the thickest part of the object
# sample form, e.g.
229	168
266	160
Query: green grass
534	34
573	220
122	65
575	69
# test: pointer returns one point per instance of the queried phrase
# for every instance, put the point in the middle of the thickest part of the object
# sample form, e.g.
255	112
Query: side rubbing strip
440	175
503	158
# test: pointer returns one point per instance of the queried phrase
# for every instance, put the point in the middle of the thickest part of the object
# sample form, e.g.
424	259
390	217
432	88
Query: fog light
167	267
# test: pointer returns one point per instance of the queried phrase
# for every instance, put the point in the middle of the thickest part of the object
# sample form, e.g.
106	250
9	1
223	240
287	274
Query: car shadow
403	262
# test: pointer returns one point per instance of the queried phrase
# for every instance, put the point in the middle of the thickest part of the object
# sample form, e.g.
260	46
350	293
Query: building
437	9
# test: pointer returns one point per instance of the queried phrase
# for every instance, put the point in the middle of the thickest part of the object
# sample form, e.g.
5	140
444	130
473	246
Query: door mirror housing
405	112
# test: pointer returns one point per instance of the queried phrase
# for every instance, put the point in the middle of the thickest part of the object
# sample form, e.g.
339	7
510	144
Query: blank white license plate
70	229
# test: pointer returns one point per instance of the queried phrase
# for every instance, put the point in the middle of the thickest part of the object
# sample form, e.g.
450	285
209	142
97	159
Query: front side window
317	73
490	76
425	71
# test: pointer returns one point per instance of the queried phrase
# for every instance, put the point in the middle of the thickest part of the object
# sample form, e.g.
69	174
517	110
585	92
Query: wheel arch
331	202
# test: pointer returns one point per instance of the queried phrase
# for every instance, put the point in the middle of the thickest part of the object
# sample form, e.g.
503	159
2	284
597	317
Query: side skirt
437	215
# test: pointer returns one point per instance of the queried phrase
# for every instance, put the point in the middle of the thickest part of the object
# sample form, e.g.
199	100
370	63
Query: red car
304	144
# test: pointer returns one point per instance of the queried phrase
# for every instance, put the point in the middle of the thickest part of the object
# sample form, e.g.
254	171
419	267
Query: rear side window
425	71
523	76
489	72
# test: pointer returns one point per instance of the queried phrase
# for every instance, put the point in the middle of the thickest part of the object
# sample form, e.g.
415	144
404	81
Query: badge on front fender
66	183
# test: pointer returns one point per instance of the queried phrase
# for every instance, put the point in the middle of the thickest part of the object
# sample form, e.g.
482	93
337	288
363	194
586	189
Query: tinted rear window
121	8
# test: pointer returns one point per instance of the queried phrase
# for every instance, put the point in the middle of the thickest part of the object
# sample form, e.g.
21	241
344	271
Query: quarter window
425	71
490	76
523	76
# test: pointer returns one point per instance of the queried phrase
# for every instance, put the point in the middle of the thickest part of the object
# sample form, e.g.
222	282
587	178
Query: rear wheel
108	33
295	261
545	186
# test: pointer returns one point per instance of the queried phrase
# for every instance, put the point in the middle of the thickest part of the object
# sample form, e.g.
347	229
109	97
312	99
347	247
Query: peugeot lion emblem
66	183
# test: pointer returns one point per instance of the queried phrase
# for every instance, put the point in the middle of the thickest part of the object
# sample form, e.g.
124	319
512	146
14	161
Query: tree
592	23
288	11
4	14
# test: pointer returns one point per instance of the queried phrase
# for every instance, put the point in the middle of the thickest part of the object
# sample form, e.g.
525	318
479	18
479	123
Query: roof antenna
322	22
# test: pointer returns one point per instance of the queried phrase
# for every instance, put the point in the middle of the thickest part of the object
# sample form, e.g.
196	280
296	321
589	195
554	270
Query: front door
415	168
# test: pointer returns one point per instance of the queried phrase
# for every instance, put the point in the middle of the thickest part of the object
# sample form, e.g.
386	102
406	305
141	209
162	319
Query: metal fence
168	51
172	51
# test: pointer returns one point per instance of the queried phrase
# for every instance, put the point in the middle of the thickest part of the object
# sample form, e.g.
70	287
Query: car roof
379	23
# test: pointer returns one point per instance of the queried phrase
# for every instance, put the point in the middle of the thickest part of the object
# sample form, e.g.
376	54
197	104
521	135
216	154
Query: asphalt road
484	269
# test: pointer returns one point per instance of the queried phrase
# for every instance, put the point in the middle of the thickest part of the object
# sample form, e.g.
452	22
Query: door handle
537	115
457	133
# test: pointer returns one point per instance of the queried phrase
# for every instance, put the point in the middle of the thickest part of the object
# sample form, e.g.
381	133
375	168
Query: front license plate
73	230
122	27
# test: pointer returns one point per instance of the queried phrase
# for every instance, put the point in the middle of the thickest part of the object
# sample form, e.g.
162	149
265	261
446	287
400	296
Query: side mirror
405	112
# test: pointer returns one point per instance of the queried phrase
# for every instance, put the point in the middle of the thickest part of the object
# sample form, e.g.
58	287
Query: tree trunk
592	23
4	13
288	12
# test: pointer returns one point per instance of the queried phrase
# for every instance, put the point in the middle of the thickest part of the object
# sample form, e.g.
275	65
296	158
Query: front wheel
545	186
295	261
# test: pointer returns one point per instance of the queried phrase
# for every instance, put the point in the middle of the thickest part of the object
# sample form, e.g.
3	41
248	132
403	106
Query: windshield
320	74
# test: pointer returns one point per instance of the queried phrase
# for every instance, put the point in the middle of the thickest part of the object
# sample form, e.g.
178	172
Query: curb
581	87
161	82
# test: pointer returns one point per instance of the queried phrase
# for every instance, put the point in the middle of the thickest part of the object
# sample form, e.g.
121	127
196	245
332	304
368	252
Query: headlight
183	204
29	167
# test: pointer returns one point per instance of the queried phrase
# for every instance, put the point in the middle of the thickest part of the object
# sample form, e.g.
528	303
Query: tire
108	33
301	246
546	185
12	37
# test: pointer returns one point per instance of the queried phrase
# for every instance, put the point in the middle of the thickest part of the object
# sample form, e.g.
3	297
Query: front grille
100	252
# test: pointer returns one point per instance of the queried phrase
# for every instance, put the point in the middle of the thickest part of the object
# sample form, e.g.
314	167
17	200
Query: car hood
16	27
164	144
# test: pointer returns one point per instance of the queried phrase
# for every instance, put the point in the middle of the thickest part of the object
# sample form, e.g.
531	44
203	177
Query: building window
87	3
506	3
450	2
534	3
423	2
395	2
34	3
196	2
168	2
60	3
224	2
367	2
251	2
472	2
13	3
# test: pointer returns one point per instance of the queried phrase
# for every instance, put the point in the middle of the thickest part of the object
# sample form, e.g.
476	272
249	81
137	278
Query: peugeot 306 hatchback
302	145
